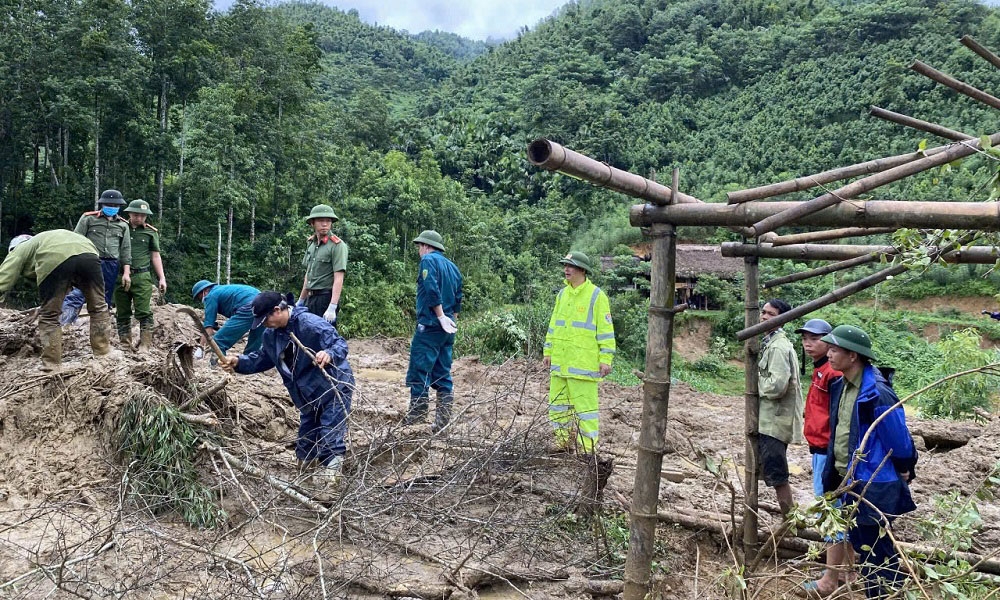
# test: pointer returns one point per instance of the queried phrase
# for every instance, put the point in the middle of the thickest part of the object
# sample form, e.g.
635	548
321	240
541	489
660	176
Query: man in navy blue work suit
321	385
439	300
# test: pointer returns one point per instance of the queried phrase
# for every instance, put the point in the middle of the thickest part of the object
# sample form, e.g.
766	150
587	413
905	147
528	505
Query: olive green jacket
111	236
779	388
36	258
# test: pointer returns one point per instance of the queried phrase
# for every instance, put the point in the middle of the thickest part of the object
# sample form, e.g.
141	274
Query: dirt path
481	509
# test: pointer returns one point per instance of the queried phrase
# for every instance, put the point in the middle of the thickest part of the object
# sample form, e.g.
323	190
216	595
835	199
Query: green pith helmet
850	338
320	211
138	206
577	259
431	238
112	198
200	287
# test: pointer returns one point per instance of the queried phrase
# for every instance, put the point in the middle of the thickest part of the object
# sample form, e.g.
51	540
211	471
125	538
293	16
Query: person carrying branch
325	262
311	358
146	261
781	404
578	351
56	261
878	472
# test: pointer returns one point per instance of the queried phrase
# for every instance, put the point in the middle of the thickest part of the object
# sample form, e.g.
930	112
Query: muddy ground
482	509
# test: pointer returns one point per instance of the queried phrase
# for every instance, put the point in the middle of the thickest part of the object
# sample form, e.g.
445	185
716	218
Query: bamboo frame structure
981	255
820	236
920	125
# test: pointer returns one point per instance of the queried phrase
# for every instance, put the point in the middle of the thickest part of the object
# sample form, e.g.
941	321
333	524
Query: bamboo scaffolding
852	190
554	157
820	236
751	409
981	255
927	126
824	270
982	216
810	181
976	47
959	86
653	428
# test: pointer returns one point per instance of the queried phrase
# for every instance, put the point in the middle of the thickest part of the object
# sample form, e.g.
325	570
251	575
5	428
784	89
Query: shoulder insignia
607	318
92	213
334	239
148	226
425	274
122	220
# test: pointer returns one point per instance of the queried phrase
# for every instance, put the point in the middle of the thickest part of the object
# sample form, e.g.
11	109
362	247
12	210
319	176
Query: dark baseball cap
264	303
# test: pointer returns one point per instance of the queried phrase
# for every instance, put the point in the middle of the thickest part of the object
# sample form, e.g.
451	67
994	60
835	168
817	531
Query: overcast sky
475	19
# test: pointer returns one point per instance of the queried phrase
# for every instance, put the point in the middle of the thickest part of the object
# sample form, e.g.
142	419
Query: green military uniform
110	236
324	257
145	240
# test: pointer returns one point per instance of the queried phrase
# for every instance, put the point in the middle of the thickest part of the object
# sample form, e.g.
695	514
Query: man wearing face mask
110	234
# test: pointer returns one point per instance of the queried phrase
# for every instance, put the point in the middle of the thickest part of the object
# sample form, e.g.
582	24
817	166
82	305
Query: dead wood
907	121
820	236
979	49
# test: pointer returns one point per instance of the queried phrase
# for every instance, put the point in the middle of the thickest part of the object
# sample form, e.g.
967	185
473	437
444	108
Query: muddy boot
145	339
125	340
442	416
325	479
51	338
100	333
417	412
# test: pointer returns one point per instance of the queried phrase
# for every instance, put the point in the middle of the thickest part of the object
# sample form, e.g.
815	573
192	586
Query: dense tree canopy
235	124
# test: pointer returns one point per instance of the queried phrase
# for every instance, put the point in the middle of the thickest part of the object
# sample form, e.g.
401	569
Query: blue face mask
109	211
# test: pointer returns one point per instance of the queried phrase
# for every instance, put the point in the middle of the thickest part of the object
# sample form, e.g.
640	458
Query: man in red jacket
817	433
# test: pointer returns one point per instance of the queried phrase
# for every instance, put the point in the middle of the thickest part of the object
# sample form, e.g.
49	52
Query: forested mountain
248	118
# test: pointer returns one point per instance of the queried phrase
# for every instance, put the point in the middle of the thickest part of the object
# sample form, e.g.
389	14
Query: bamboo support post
918	124
981	216
751	413
981	255
959	86
554	157
824	270
854	189
653	428
976	47
810	181
808	307
822	236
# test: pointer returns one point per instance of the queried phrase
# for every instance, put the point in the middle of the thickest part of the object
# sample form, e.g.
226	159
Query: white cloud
475	19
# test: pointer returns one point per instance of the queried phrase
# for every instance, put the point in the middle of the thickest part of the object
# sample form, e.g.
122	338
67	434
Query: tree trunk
97	160
163	130
229	244
180	172
253	221
218	255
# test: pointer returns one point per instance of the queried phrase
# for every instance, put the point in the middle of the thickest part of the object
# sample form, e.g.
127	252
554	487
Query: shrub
958	398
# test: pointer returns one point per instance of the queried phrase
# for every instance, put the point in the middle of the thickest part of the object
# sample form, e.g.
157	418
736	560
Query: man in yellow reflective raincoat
579	348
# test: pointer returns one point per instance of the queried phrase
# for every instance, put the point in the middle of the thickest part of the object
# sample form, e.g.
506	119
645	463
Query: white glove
331	313
447	324
301	302
199	353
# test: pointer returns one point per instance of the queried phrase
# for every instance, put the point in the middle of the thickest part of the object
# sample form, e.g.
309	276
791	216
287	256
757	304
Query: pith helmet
200	287
322	211
112	198
431	238
850	338
138	206
577	259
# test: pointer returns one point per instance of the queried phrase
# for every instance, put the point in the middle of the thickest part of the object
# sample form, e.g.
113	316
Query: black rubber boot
417	412
442	415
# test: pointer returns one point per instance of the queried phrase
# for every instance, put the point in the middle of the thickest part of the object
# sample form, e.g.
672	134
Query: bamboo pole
854	189
554	157
810	181
976	47
981	255
824	270
918	124
751	410
982	216
808	307
959	86
652	432
820	236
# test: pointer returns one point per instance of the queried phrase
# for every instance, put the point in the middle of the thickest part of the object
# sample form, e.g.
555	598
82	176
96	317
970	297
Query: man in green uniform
58	260
325	263
110	236
145	257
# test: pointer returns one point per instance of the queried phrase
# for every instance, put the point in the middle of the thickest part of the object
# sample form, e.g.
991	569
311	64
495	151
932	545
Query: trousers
573	406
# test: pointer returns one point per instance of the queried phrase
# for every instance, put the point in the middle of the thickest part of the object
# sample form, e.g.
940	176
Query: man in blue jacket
233	302
879	471
321	385
439	300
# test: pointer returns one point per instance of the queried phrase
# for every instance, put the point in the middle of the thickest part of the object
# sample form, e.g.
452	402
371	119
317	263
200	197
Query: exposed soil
479	510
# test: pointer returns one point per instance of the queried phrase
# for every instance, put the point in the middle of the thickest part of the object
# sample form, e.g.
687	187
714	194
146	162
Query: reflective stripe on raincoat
581	335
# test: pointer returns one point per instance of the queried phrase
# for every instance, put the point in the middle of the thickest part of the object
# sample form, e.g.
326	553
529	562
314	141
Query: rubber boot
51	338
417	412
100	332
125	340
145	339
325	479
442	415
